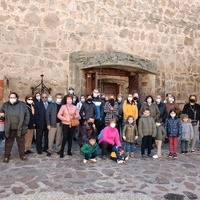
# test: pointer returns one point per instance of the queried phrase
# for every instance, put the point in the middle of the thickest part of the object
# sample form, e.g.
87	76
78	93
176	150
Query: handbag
73	122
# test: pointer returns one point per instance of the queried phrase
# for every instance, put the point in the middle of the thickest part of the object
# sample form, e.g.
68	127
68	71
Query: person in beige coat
130	135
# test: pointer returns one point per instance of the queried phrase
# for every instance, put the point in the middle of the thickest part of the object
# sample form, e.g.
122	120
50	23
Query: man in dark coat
16	125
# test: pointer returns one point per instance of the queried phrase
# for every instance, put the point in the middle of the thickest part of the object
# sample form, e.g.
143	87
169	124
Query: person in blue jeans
90	150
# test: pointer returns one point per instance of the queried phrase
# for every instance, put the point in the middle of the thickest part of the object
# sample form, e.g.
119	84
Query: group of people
103	124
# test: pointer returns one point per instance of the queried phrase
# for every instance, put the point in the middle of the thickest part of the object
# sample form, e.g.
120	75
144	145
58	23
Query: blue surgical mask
50	99
149	100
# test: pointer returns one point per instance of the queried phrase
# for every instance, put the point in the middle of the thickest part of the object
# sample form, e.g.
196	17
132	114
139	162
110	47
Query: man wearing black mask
88	109
192	109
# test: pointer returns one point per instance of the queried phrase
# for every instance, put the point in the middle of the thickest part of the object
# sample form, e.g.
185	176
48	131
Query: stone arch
139	71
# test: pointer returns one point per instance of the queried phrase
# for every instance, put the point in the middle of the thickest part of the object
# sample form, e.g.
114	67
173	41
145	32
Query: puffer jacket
130	131
173	127
147	126
187	131
161	132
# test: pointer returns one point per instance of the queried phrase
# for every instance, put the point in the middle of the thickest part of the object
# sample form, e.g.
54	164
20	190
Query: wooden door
110	88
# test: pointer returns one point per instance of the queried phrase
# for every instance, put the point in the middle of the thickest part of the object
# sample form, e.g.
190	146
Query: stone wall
38	36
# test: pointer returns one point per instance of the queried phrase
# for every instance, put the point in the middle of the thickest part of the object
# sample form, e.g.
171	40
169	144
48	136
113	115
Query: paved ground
43	177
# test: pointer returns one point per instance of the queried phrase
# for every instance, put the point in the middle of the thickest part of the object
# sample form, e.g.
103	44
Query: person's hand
48	127
124	137
136	137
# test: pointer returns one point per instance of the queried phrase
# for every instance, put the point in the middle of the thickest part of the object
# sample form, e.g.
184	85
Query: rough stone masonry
38	36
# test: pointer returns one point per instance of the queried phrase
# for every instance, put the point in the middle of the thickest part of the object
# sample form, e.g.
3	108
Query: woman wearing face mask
37	97
172	105
111	110
151	105
130	108
65	114
192	109
29	134
81	102
109	138
174	130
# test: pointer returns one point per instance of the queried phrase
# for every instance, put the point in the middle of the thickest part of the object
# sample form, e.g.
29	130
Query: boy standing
147	130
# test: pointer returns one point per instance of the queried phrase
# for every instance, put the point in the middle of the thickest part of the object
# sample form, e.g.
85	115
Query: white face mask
130	98
113	125
71	91
12	100
172	115
171	100
95	95
158	100
158	124
149	100
119	99
29	101
38	98
130	121
50	99
82	100
58	101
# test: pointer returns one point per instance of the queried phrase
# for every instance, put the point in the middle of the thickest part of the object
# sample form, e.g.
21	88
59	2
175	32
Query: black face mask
135	98
192	101
89	100
2	118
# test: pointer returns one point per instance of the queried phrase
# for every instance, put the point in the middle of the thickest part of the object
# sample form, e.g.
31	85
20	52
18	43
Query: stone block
188	41
32	19
52	20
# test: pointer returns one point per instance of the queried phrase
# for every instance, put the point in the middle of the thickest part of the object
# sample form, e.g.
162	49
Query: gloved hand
136	137
124	137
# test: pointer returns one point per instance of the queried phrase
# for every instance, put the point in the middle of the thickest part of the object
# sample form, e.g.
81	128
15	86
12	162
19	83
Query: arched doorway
111	72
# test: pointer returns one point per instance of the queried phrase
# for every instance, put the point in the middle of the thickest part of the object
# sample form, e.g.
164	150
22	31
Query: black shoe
45	150
26	152
61	155
48	154
69	153
29	151
170	155
149	155
143	156
39	152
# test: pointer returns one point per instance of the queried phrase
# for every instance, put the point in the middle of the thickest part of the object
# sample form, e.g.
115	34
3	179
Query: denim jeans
91	155
129	147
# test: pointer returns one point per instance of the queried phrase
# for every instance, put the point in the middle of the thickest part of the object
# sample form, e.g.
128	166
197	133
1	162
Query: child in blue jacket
174	130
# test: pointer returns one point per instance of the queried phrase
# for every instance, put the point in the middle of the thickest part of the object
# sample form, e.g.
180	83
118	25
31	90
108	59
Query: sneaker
170	155
6	159
174	155
183	152
155	156
120	162
126	158
186	152
192	150
85	161
149	155
93	159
